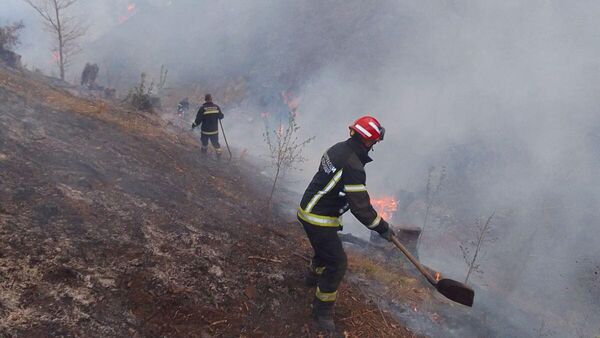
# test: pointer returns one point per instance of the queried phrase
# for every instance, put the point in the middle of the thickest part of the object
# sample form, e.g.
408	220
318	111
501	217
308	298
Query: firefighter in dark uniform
208	118
338	185
183	107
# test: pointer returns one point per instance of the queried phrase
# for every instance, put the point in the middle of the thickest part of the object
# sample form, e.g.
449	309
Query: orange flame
438	276
55	58
292	102
131	9
385	206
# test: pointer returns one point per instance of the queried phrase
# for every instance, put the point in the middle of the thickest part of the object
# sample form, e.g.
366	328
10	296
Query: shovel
451	289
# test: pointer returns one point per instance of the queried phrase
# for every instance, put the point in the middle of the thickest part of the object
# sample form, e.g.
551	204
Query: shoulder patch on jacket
326	164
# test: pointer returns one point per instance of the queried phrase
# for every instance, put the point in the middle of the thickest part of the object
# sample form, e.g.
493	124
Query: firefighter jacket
208	117
339	185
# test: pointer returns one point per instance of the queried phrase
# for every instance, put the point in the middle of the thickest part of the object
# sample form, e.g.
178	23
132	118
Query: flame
385	206
437	276
435	318
131	10
55	58
291	101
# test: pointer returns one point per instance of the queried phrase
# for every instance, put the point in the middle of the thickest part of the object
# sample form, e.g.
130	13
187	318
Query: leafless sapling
472	248
285	149
66	29
431	195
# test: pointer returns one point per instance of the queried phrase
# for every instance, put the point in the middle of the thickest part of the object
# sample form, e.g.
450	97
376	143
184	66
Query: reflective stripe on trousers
318	220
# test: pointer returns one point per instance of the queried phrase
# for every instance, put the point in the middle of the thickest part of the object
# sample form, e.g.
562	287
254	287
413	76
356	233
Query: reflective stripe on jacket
339	185
208	118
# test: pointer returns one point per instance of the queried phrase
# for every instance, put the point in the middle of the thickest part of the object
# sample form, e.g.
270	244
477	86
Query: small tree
9	35
471	249
66	29
431	195
140	96
285	149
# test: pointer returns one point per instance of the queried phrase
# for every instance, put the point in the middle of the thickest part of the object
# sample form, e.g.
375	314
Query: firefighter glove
194	125
388	234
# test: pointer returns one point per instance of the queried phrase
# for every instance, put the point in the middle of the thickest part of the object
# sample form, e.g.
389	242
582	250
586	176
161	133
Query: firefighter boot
203	150
322	313
218	151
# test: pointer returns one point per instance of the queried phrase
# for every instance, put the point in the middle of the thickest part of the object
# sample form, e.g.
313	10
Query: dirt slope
113	225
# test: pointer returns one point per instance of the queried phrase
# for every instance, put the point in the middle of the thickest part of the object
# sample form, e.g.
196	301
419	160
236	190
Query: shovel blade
456	291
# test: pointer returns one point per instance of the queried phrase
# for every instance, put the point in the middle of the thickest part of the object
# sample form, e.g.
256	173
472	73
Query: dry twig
265	259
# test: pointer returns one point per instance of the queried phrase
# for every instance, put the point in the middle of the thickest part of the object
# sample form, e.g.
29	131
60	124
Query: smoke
502	93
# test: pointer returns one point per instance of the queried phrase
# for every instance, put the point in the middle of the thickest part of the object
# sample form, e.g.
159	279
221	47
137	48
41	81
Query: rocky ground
112	224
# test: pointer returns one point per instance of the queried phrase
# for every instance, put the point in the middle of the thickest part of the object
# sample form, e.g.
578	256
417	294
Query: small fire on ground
386	206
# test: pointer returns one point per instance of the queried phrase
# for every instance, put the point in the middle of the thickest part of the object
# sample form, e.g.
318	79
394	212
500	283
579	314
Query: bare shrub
431	195
285	149
472	248
141	97
66	29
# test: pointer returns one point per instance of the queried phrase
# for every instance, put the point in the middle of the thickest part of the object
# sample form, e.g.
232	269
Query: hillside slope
113	225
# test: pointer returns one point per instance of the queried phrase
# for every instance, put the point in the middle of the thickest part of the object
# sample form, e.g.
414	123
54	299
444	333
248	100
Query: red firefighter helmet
368	128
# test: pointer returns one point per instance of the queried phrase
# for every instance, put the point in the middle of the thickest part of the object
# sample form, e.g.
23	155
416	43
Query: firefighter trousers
214	140
329	263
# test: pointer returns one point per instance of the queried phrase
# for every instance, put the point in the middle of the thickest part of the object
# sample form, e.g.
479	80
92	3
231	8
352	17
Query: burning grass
386	206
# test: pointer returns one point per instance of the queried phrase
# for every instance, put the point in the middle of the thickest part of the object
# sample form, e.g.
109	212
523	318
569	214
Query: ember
385	206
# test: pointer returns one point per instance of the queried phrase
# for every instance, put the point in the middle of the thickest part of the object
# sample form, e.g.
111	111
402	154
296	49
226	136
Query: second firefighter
208	118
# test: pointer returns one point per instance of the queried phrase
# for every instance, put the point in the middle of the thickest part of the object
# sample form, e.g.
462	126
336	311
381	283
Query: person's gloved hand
388	234
194	125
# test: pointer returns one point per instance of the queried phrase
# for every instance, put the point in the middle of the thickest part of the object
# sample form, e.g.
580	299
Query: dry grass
39	92
398	284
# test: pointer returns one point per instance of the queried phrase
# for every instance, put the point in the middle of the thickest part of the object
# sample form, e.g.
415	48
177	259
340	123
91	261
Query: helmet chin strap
362	140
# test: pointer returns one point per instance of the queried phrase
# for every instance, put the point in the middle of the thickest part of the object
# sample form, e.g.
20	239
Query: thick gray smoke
502	93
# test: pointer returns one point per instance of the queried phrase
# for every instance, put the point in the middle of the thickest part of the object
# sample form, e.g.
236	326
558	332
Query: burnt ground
112	224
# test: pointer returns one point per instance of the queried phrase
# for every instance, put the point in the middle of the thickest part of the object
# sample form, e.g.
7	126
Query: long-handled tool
225	138
453	290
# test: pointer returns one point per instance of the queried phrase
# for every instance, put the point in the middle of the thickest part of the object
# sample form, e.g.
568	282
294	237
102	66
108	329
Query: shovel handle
225	138
413	260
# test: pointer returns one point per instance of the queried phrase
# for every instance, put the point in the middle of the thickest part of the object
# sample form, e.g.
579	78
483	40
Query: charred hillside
113	225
